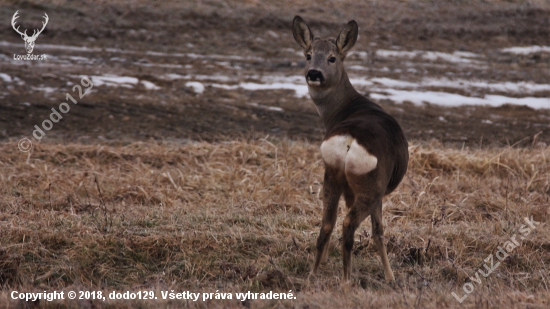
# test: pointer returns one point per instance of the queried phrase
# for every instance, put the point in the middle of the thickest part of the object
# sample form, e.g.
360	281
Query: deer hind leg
377	233
349	196
332	190
353	219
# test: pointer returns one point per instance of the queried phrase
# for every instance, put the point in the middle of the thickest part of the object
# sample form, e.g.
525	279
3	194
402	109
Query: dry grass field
243	216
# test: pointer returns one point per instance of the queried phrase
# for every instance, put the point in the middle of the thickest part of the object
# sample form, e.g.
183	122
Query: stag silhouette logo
29	40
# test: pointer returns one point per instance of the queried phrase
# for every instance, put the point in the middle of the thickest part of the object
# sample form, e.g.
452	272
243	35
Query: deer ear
301	32
347	37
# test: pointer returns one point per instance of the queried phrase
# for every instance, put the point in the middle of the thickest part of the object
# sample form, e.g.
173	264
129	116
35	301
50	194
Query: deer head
326	77
29	40
324	58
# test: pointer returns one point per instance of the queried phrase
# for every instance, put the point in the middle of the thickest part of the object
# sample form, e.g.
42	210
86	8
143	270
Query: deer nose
314	75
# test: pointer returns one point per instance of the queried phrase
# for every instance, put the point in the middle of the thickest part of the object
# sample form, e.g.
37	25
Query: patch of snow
465	54
272	34
220	78
361	82
455	57
451	99
159	65
173	76
149	85
224	64
5	77
114	81
301	90
293	51
271	108
388	82
358	68
519	87
45	89
359	54
295	79
197	87
77	58
387	88
395	53
526	50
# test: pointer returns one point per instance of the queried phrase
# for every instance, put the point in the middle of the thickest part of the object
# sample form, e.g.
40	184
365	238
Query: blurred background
471	73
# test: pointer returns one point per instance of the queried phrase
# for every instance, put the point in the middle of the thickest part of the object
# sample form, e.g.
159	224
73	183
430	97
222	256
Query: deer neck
331	102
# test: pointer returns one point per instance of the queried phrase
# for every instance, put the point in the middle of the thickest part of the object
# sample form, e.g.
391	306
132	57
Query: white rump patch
343	152
335	150
359	161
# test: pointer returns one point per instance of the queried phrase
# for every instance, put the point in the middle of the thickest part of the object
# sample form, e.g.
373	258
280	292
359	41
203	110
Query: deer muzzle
314	77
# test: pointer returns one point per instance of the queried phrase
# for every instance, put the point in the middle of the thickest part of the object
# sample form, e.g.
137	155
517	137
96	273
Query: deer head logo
29	40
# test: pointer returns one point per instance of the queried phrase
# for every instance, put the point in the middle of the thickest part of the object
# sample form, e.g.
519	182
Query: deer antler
43	26
13	24
34	33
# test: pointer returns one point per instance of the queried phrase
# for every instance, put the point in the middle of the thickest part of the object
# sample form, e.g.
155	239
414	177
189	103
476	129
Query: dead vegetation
243	216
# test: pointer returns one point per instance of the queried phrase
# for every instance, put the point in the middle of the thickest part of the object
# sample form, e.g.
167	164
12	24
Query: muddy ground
250	40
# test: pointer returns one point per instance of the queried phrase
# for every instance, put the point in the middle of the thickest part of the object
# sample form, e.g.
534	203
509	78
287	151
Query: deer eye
308	57
332	59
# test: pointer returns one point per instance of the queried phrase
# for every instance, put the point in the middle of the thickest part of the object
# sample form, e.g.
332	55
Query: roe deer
364	150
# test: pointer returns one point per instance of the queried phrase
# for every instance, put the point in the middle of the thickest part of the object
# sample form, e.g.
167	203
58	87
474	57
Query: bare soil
261	30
